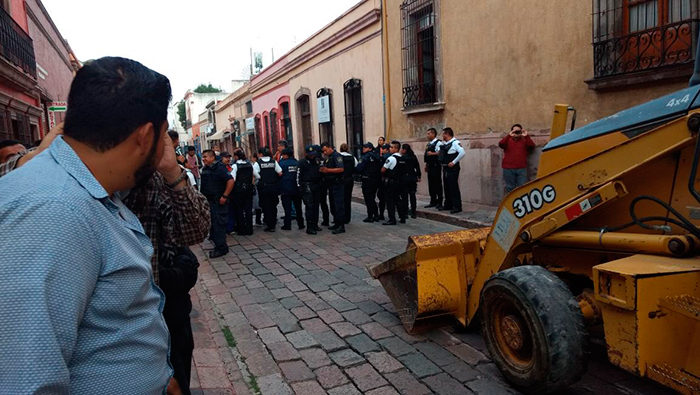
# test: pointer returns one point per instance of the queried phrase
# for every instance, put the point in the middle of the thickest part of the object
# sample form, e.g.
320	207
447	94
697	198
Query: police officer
384	154
349	164
289	189
268	187
243	186
433	169
370	170
451	152
333	170
393	170
309	176
217	184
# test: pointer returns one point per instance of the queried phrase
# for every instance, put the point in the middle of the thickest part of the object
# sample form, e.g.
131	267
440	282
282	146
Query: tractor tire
533	329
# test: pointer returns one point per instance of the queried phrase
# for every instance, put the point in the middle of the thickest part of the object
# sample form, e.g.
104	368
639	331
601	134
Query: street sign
57	106
324	109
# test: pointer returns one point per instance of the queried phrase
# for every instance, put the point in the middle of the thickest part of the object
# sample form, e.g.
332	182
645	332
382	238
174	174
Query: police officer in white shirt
394	168
451	152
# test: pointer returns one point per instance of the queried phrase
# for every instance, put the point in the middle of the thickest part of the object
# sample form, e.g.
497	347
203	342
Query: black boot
339	229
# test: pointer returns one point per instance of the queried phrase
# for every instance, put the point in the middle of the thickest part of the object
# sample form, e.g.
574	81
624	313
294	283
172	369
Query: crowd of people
98	216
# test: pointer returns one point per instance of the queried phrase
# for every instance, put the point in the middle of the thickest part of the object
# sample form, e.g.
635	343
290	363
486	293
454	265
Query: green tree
206	89
182	114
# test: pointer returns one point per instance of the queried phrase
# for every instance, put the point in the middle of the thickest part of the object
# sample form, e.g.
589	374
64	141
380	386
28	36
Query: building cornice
46	34
354	27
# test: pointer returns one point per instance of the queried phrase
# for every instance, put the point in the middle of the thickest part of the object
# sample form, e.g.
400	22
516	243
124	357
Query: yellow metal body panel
569	184
639	331
561	114
556	159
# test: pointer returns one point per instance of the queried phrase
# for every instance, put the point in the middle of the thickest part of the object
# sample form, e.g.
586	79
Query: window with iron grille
274	130
640	35
418	52
249	107
287	124
354	116
325	129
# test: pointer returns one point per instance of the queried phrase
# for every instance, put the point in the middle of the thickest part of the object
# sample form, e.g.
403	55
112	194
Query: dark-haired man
370	168
393	170
433	169
333	171
309	176
102	330
175	137
384	154
9	148
193	162
289	190
268	187
244	184
516	146
451	152
217	185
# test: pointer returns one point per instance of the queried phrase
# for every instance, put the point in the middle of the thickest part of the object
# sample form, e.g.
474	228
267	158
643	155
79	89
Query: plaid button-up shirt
170	218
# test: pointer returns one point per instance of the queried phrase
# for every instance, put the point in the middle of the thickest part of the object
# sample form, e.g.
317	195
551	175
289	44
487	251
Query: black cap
368	145
225	155
288	151
386	146
310	149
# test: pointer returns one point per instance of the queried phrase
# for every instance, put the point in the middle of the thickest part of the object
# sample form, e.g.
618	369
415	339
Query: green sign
58	108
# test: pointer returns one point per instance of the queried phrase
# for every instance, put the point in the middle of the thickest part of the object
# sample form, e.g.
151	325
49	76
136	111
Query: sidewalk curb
439	216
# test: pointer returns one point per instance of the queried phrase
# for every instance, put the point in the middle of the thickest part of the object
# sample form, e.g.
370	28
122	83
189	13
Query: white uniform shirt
349	154
234	170
391	161
455	148
256	167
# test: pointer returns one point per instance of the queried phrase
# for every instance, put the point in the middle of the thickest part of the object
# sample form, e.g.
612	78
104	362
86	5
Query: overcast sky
191	42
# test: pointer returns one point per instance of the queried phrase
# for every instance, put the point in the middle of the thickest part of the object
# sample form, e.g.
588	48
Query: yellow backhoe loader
606	239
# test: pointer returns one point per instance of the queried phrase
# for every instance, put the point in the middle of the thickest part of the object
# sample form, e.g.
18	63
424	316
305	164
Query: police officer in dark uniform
309	176
370	170
393	170
349	163
333	170
289	189
451	152
268	187
244	184
433	169
384	154
216	186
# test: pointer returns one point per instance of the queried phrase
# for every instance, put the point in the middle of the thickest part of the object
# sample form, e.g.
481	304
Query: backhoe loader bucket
428	282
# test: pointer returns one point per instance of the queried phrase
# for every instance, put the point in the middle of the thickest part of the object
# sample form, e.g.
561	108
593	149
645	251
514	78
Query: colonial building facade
481	66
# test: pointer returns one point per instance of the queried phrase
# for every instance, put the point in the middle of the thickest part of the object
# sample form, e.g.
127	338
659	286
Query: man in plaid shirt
174	215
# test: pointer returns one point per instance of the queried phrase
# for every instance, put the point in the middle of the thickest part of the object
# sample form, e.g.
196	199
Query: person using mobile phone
516	146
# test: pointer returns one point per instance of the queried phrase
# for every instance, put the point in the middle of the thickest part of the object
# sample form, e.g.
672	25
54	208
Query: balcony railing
416	95
15	44
660	47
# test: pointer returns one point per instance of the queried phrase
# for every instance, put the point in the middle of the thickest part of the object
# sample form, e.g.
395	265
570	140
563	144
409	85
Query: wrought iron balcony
15	44
660	47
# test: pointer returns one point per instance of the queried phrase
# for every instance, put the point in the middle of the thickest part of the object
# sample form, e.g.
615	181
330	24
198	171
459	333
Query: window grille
418	52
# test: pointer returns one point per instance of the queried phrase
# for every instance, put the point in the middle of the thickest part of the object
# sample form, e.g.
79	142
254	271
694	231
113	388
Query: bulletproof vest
332	163
244	177
446	158
400	169
431	159
268	175
211	187
372	165
348	166
309	170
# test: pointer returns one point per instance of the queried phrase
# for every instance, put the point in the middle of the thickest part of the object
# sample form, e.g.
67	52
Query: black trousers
181	346
336	192
243	209
409	188
310	194
268	203
435	184
395	200
369	193
323	202
217	231
381	197
287	201
348	184
453	197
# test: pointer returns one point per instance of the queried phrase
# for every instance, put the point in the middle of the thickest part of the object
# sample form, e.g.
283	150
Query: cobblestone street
291	313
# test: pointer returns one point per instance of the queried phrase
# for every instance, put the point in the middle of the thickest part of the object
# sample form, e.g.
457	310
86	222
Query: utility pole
273	55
